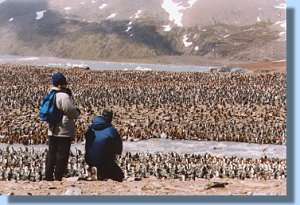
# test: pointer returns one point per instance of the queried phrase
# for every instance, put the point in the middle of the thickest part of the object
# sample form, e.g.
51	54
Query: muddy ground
238	149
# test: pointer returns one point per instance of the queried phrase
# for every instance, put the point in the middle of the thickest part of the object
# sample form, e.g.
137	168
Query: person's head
59	80
107	115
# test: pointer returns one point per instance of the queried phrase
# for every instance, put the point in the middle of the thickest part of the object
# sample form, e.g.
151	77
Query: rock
216	185
137	179
72	179
130	179
73	191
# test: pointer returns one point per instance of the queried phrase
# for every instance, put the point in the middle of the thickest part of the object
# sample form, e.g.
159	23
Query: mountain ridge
141	29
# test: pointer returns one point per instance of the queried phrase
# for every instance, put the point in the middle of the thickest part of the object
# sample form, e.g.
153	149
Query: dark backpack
48	111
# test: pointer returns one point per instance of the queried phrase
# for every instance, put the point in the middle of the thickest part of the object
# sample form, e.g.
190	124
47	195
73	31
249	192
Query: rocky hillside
97	29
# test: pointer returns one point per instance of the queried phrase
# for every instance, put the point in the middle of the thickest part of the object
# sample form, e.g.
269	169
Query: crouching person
103	143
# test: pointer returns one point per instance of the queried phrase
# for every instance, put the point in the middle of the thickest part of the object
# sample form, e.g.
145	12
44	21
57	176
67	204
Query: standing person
61	133
103	143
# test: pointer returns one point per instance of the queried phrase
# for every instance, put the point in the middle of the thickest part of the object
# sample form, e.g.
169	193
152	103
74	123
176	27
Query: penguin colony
241	107
29	164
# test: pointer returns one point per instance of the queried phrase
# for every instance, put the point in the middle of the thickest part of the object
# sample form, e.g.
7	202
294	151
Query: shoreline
164	63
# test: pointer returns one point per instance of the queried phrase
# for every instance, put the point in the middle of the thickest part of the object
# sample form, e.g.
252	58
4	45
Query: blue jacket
103	143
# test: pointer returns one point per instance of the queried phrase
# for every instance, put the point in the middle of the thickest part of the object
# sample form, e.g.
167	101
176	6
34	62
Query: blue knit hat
58	79
108	115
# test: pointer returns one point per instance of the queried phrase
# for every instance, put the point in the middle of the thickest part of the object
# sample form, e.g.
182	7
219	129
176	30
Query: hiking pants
57	157
110	171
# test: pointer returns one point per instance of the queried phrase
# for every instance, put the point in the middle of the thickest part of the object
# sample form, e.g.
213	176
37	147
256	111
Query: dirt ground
265	66
71	186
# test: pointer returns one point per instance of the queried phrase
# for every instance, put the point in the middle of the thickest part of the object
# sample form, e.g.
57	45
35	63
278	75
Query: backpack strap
64	90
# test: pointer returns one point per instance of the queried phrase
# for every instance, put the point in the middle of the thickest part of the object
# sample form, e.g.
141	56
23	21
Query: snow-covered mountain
95	29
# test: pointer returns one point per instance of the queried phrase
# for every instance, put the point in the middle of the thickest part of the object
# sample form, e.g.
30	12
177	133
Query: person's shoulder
62	95
113	130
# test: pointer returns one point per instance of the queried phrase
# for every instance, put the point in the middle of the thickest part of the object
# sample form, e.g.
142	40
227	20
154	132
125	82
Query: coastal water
97	65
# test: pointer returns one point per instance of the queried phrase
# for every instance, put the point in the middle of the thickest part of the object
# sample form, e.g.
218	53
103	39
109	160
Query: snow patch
258	19
102	6
11	19
93	2
55	65
130	23
40	14
192	2
282	24
282	36
196	48
2	1
137	14
175	10
67	8
282	33
82	3
249	29
279	61
167	28
128	28
226	36
113	15
185	41
280	6
75	65
142	69
28	59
